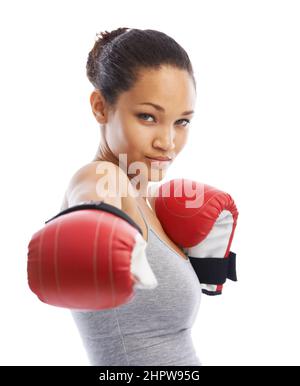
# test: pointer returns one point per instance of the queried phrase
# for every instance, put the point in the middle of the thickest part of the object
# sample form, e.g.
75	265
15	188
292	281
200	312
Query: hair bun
107	37
101	40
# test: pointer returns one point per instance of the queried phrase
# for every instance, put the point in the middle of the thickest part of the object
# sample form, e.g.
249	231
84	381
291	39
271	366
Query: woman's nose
165	138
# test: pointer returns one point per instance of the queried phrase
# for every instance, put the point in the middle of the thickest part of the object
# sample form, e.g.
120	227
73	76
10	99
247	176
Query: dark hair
114	62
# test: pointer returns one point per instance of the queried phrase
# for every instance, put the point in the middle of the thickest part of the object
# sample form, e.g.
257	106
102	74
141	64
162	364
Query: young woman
131	266
143	99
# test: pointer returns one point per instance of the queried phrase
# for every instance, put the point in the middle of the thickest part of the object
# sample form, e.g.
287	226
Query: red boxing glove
201	220
88	257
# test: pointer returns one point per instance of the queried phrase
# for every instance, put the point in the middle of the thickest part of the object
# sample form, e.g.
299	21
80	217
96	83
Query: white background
244	140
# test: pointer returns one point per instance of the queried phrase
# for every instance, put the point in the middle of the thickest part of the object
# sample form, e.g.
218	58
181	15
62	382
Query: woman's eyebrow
159	108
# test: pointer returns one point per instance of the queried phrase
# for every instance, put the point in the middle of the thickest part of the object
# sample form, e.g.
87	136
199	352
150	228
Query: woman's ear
98	106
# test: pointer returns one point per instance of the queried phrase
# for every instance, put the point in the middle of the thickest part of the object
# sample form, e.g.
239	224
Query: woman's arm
65	255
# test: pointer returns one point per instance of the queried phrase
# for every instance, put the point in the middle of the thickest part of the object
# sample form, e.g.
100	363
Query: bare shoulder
100	180
97	180
93	171
83	187
78	177
64	204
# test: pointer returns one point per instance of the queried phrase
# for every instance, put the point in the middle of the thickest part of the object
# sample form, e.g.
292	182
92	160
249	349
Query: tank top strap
142	214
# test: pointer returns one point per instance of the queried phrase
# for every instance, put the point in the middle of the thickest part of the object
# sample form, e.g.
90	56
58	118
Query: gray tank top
154	327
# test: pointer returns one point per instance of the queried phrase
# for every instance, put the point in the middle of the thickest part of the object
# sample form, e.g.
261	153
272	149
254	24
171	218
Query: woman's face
140	131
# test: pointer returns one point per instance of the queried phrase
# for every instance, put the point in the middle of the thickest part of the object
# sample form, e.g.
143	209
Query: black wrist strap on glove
212	270
102	206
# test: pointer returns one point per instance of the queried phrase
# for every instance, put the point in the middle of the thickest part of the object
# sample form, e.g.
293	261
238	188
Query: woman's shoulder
93	171
99	176
95	168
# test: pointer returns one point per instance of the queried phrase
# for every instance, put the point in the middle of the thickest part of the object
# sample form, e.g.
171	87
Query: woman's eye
186	120
149	115
144	114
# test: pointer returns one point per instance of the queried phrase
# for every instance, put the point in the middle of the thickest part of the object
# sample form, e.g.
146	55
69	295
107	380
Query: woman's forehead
162	88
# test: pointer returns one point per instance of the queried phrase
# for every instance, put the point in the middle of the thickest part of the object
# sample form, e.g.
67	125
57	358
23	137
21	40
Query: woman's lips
164	159
159	163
